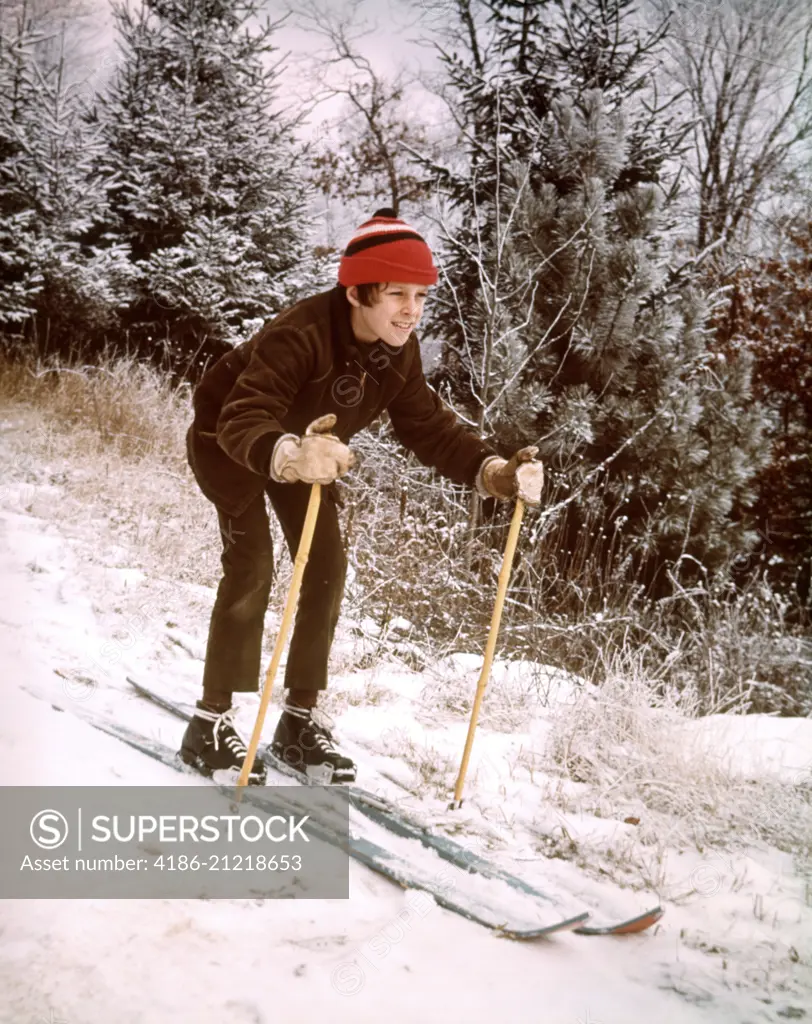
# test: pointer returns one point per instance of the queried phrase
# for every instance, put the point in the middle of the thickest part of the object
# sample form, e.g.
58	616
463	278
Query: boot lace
316	728
224	729
320	724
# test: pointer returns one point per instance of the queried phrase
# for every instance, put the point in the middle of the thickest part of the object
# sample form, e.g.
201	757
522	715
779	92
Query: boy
274	416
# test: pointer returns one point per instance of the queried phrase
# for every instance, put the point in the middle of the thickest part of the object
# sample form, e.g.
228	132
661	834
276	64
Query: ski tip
631	927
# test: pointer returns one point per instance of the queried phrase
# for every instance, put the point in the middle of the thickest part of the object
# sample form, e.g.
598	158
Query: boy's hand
317	458
520	477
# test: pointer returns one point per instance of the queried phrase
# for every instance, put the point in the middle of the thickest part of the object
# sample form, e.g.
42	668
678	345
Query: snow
74	621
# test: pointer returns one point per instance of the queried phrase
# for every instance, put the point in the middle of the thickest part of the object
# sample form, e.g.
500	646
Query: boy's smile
394	316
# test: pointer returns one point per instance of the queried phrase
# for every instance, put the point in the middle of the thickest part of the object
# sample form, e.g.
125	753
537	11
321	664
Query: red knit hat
386	249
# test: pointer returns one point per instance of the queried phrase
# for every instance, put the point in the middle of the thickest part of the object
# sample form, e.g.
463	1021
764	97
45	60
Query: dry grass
116	435
433	771
337	699
122	407
628	742
448	693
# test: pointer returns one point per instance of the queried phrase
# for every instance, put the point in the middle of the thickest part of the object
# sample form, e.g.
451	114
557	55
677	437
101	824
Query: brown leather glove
317	458
522	476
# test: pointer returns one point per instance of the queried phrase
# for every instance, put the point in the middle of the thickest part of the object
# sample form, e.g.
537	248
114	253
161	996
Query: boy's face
393	317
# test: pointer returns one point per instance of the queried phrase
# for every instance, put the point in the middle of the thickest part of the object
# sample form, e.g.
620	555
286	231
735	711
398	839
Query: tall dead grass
112	437
121	407
716	635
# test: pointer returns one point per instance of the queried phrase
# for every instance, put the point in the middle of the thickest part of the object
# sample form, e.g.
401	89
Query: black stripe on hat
386	236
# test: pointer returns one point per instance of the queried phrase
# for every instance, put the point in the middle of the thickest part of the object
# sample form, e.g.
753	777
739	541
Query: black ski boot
212	744
305	744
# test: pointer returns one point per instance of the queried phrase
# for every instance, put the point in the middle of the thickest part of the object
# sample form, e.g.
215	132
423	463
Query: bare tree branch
370	159
746	69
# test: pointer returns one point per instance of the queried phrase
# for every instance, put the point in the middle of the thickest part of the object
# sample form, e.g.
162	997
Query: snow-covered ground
734	947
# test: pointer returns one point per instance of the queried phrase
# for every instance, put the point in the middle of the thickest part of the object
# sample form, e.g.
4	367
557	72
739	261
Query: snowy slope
72	620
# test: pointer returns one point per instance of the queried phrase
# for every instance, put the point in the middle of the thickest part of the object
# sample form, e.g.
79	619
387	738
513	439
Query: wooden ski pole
290	606
490	647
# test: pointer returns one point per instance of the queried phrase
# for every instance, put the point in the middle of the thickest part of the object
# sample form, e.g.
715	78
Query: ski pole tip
455	805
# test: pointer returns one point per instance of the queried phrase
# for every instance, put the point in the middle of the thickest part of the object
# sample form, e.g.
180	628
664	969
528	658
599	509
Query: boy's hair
368	293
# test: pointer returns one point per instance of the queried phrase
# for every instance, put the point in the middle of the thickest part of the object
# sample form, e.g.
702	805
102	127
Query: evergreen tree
565	325
54	283
204	183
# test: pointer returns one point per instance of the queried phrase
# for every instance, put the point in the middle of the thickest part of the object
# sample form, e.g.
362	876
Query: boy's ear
352	295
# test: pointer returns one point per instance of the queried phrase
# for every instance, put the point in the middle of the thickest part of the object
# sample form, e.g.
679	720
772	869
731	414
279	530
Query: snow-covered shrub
404	534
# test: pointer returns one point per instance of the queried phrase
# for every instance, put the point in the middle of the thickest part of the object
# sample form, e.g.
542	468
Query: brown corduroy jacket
301	365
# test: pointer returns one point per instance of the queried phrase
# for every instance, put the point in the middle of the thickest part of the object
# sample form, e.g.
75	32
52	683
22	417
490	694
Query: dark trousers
234	646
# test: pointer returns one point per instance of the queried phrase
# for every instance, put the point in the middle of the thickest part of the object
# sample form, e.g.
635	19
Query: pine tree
54	283
564	320
204	182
